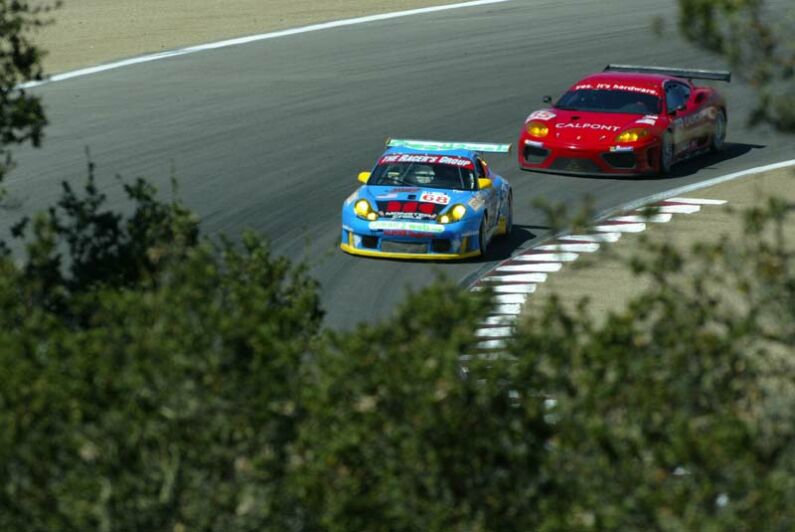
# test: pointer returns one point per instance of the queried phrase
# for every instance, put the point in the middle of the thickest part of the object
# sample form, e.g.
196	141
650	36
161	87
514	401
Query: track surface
270	135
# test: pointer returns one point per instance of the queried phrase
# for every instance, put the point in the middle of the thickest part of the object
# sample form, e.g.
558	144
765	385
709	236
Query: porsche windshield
433	175
610	101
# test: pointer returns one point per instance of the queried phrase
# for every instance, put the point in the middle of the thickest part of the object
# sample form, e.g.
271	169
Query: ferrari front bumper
577	159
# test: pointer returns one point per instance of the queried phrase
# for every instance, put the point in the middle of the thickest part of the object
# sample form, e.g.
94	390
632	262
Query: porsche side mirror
364	177
547	99
484	183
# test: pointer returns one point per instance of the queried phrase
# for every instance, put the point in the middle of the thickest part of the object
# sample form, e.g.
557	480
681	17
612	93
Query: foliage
21	113
675	414
191	388
153	380
759	45
396	438
150	385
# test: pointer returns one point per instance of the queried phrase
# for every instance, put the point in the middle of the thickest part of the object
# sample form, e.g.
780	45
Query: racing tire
718	140
666	160
509	217
482	238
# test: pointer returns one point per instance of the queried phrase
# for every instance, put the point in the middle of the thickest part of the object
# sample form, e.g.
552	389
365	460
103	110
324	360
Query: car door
683	118
489	195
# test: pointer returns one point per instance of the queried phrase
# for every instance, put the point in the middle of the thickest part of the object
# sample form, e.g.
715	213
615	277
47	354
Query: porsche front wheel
482	238
509	217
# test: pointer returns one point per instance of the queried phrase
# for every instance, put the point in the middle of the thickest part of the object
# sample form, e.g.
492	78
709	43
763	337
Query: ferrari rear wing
443	145
716	75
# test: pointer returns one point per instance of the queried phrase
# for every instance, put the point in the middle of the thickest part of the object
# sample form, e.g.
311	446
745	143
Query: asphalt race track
270	135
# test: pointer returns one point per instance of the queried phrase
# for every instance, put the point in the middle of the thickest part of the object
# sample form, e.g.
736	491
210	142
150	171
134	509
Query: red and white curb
515	279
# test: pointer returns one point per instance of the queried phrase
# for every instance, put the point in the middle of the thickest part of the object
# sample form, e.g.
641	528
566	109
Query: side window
676	95
480	168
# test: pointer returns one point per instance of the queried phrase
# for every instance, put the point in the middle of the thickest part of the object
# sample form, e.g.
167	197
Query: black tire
718	140
666	154
482	238
509	219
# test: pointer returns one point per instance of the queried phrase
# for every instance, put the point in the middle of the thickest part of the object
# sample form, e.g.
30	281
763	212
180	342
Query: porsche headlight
453	215
632	135
363	209
537	129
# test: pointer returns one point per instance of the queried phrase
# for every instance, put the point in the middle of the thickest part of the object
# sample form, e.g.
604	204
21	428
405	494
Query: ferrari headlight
632	135
363	209
537	129
453	215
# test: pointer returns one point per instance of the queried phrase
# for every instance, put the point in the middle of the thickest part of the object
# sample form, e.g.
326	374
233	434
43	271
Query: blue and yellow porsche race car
428	200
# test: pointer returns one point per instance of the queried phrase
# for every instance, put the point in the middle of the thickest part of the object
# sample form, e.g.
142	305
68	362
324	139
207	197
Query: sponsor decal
541	115
691	120
451	160
588	125
391	195
419	227
413	210
648	120
435	197
404	190
437	145
620	148
615	87
407	234
476	202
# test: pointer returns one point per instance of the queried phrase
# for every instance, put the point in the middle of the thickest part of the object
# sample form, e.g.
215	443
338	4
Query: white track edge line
249	39
630	206
660	196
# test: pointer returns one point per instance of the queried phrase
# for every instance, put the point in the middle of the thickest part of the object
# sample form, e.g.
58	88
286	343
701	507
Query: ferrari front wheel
666	154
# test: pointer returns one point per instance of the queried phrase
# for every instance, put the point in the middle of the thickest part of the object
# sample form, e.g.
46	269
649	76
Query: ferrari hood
590	127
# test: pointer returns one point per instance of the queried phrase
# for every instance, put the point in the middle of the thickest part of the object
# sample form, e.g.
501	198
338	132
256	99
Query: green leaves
22	117
759	45
156	380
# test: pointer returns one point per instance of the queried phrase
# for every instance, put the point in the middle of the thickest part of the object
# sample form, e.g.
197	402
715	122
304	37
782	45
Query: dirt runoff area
608	283
89	32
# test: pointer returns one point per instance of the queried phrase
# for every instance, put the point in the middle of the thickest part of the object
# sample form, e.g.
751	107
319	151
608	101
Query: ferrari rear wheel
666	154
719	132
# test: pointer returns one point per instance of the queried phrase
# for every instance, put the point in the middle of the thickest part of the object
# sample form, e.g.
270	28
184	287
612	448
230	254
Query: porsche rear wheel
666	154
718	133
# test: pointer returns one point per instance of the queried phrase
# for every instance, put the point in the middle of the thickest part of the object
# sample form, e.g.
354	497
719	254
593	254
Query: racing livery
626	120
428	200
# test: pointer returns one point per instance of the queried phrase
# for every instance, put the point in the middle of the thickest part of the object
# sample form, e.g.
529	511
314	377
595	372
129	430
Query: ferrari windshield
610	101
426	174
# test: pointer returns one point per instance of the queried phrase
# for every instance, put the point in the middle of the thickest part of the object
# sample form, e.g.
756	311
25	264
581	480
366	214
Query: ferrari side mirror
547	99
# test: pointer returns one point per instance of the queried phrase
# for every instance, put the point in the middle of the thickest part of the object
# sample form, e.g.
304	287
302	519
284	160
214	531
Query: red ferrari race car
626	120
